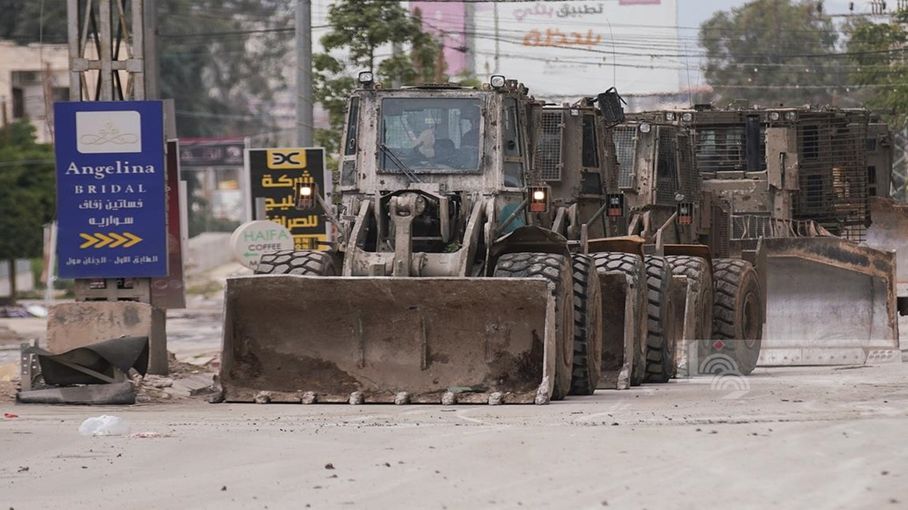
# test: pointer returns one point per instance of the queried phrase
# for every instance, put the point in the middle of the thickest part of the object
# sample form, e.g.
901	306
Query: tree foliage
772	52
21	21
359	29
27	197
222	61
877	61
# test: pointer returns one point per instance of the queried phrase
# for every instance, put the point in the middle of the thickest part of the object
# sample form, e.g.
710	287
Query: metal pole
395	52
304	73
72	26
497	38
105	52
469	28
149	36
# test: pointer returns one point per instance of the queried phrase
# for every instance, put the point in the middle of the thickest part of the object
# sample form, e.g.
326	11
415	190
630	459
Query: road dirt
783	438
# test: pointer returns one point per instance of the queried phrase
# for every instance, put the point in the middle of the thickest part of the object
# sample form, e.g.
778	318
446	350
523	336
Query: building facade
32	77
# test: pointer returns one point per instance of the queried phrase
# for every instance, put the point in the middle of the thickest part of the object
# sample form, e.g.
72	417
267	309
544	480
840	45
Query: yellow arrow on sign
133	239
89	241
110	240
118	240
104	240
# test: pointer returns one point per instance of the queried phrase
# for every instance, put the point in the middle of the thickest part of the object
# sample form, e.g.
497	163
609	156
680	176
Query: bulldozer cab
786	171
430	176
656	173
574	159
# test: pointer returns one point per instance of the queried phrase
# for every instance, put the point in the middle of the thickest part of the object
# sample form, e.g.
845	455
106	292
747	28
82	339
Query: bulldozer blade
889	232
622	329
829	302
290	338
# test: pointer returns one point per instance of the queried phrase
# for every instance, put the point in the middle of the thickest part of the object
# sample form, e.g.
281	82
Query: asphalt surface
782	438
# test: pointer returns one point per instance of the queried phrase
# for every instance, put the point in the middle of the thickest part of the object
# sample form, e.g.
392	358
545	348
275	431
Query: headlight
306	197
670	116
539	200
366	77
775	115
497	81
791	116
687	117
645	128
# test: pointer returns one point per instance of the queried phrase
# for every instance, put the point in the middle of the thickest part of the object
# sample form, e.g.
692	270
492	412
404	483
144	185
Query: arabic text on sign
555	38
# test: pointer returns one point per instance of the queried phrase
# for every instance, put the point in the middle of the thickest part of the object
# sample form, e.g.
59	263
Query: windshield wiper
398	163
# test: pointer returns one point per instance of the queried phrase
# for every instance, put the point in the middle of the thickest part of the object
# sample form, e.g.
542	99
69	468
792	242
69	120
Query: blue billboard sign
110	189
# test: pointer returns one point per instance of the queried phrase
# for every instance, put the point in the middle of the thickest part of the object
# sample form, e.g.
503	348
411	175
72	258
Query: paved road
797	438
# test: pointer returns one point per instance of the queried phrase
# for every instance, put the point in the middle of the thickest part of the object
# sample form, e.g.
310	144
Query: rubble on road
185	380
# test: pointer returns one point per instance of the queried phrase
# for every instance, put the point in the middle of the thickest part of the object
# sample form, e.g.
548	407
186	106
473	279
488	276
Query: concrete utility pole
304	73
469	39
152	64
108	45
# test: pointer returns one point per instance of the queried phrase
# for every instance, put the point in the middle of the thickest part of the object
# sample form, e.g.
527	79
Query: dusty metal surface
829	302
381	340
624	329
121	393
889	232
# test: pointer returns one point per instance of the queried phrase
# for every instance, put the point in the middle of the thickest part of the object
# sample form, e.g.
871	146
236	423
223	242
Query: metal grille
690	180
667	184
625	138
548	150
723	148
752	226
719	240
833	174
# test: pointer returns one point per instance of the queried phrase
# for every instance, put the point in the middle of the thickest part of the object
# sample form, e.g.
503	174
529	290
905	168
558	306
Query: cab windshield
429	135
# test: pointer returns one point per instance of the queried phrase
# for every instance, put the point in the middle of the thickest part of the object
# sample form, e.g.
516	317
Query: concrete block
72	325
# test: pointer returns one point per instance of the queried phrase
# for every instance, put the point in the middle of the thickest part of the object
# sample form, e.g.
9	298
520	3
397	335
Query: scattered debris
96	374
156	381
329	466
22	469
146	435
16	312
9	416
223	488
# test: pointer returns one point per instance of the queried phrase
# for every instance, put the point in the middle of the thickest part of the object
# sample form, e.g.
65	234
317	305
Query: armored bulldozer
574	160
794	183
440	287
715	300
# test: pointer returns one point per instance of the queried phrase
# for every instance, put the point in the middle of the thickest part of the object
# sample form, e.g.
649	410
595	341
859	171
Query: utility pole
152	64
497	39
109	41
469	41
304	73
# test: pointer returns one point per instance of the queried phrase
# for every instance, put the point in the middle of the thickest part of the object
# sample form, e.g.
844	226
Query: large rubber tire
306	263
661	325
557	270
632	266
737	313
587	365
699	278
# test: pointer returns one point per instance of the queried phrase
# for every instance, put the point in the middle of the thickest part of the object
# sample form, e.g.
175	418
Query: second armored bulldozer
793	181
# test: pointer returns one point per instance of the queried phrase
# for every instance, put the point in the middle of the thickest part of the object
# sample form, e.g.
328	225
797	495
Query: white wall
35	58
25	280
